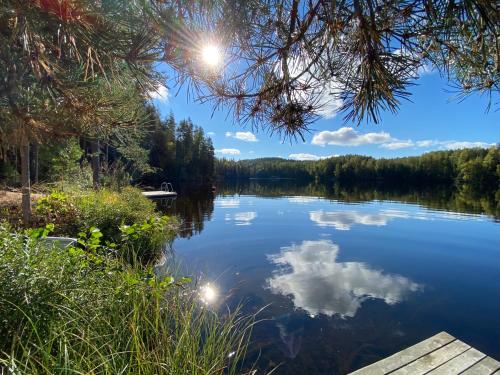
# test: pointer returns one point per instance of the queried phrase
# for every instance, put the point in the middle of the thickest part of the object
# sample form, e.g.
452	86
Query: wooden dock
441	354
166	191
159	194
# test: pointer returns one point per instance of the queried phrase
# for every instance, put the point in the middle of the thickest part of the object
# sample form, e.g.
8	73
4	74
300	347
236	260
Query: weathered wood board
441	354
159	194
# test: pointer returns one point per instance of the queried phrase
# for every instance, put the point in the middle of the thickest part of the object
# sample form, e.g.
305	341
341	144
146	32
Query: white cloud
305	156
420	67
344	220
161	94
211	134
347	136
426	143
452	145
319	284
397	144
425	69
243	136
455	145
228	151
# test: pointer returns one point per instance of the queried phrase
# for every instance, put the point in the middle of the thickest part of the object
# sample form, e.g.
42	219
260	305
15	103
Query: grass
98	307
81	311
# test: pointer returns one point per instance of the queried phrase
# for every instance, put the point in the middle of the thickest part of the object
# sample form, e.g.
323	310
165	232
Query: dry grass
12	198
10	206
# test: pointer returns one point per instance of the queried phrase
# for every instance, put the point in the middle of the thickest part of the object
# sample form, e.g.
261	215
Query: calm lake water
347	279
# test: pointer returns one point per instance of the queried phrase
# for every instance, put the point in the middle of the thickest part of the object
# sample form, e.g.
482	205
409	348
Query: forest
152	151
477	168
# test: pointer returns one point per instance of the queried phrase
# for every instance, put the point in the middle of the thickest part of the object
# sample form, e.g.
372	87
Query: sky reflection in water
319	284
346	283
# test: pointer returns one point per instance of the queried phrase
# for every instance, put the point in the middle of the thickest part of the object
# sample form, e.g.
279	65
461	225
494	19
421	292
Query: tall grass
71	311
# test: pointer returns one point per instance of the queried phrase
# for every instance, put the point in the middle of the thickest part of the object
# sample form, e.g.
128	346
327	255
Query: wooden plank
159	194
460	363
407	355
484	367
434	359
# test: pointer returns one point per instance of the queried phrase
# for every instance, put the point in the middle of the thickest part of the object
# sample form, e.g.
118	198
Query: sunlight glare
208	293
211	55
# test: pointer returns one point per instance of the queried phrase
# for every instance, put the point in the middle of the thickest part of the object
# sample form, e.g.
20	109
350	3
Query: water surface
346	280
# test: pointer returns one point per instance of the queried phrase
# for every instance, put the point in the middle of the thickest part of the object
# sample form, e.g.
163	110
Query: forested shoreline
180	151
156	150
477	168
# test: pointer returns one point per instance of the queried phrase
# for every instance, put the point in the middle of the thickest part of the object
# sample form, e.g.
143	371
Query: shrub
108	209
77	310
145	241
124	217
59	209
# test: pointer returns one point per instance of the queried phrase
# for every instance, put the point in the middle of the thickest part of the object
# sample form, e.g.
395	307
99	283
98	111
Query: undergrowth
83	310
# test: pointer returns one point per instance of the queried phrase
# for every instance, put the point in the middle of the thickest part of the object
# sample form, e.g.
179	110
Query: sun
211	55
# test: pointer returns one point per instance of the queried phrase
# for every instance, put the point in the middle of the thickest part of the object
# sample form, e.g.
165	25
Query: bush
145	241
78	310
59	209
124	217
108	209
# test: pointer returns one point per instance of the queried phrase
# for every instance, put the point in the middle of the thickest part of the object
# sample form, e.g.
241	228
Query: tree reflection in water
194	206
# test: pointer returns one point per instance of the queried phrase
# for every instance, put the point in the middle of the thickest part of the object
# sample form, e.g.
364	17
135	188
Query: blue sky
434	120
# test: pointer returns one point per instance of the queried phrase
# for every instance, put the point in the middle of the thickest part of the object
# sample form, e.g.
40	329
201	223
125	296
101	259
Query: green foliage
8	171
178	152
54	203
116	177
107	209
61	160
125	218
476	168
145	240
75	311
43	232
59	209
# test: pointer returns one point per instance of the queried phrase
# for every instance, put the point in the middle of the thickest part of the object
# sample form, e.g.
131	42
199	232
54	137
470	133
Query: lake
348	276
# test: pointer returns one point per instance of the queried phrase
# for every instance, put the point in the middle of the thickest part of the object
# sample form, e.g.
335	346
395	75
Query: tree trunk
35	147
94	149
25	180
107	158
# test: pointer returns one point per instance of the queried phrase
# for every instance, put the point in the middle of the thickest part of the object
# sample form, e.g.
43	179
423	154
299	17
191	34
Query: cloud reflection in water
244	218
227	203
319	284
241	218
344	220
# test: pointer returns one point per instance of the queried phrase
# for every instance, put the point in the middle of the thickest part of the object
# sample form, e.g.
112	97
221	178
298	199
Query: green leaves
91	241
37	233
185	280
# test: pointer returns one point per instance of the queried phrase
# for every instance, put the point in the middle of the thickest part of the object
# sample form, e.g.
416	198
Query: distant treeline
478	168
